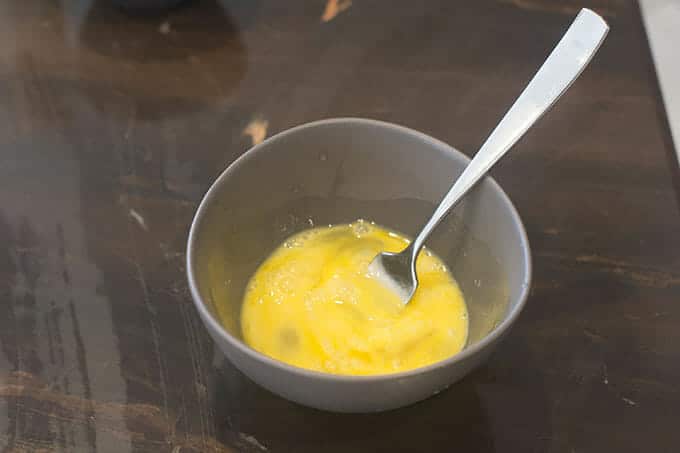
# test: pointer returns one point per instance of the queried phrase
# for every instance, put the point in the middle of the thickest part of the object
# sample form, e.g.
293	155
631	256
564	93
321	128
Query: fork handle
565	63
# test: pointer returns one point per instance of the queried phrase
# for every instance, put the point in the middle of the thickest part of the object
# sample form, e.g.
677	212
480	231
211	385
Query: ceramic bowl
337	171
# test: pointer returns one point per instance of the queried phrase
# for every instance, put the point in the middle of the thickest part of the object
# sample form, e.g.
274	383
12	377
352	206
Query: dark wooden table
112	126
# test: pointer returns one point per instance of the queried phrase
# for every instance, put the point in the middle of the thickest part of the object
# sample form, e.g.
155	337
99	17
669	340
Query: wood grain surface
112	126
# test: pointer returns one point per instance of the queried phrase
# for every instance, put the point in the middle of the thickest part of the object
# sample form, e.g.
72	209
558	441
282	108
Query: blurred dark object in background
146	6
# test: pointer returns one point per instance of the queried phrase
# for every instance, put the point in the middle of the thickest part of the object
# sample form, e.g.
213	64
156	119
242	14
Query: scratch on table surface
148	305
197	359
152	320
596	259
653	278
252	441
146	422
155	333
23	387
629	401
168	253
140	220
552	231
654	385
164	28
592	335
333	8
551	284
257	130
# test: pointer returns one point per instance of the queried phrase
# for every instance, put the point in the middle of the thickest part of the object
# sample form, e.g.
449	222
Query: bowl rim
241	346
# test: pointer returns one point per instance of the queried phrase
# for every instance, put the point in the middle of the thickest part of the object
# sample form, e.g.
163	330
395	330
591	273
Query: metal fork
566	62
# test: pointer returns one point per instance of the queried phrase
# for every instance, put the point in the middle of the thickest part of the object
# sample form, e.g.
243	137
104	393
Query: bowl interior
337	171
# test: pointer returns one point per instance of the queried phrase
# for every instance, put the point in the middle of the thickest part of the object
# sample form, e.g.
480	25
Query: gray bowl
336	171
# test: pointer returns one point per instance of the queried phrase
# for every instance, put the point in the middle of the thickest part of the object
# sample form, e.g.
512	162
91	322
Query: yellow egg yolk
313	304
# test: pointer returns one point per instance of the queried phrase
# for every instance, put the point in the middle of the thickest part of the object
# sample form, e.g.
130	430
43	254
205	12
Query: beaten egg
313	304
